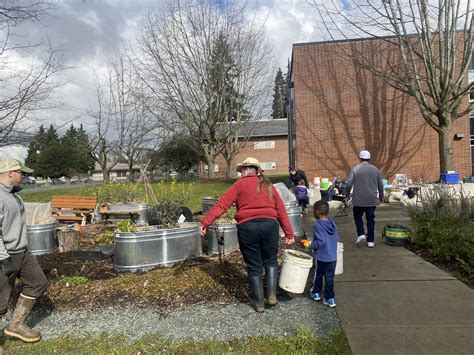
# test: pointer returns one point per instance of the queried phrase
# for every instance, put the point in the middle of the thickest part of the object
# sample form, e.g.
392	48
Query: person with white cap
15	259
260	211
367	194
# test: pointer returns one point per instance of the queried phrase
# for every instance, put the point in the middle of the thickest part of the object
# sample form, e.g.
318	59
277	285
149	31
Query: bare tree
177	64
123	127
25	87
433	45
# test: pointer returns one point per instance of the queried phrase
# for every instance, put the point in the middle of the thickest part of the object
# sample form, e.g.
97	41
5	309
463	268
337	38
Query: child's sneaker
330	302
315	296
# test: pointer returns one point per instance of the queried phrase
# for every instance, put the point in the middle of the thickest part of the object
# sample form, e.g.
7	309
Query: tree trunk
68	241
228	173
210	169
446	160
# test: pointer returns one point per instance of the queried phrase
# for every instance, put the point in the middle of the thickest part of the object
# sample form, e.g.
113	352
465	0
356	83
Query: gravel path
195	323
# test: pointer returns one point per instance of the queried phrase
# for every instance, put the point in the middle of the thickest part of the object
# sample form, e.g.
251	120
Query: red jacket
250	204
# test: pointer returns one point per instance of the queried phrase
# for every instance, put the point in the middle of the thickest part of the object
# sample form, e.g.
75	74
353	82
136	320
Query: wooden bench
106	213
73	208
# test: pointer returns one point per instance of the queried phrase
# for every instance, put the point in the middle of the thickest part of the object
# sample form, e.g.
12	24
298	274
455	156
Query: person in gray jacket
15	259
367	194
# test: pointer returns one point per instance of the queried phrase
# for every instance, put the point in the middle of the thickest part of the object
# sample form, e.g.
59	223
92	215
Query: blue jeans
370	218
326	270
258	242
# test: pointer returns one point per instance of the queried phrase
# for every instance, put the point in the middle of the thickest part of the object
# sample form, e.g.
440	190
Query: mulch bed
203	280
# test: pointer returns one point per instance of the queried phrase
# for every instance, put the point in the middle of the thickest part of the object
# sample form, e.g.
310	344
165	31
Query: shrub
117	193
444	227
166	200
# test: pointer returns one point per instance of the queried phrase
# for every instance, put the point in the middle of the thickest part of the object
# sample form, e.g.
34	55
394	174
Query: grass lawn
303	342
199	189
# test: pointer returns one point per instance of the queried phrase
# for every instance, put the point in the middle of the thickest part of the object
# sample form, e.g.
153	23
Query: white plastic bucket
295	270
339	263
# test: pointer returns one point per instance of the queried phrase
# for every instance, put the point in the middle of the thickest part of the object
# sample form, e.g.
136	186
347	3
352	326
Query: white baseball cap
364	154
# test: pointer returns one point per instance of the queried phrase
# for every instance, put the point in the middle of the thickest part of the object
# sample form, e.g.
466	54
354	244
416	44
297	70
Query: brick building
268	143
336	109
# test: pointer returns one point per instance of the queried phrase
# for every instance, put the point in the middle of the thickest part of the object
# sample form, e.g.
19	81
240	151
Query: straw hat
249	162
7	165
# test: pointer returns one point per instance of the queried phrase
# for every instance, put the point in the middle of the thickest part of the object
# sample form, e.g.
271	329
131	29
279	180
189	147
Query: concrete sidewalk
391	301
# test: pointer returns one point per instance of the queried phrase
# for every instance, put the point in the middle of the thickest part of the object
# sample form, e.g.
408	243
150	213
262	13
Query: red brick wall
279	155
341	109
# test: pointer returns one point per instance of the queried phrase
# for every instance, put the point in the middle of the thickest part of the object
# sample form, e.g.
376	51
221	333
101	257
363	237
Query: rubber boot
17	327
272	276
256	284
4	351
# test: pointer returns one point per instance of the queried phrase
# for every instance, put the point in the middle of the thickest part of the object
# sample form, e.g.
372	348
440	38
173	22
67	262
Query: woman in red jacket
260	211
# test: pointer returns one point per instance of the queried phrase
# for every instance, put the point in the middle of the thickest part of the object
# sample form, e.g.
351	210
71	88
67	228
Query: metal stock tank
145	250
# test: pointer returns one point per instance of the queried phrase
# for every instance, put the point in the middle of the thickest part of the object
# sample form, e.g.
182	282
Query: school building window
268	165
264	145
216	168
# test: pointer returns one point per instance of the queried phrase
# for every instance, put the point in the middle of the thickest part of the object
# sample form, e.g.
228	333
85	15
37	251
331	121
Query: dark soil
95	283
450	267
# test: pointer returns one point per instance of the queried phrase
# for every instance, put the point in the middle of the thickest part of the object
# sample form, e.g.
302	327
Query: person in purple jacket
324	245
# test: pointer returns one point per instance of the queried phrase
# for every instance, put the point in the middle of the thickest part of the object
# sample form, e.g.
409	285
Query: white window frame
264	145
269	165
216	168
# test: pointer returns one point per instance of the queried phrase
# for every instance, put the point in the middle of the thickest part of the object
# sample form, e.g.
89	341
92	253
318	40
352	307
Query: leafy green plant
106	238
228	216
73	280
126	226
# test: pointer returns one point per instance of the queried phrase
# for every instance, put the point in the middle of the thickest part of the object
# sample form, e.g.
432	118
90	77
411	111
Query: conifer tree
279	96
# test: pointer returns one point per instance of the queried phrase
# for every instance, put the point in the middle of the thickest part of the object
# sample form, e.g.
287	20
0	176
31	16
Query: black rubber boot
271	274
256	284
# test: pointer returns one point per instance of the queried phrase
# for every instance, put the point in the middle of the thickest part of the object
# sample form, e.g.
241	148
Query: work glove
8	267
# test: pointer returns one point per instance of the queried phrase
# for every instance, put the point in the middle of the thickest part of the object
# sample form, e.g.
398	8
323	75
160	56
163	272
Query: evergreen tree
226	104
279	96
53	161
37	144
51	137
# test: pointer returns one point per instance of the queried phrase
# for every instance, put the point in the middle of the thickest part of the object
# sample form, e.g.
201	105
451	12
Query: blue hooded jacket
325	240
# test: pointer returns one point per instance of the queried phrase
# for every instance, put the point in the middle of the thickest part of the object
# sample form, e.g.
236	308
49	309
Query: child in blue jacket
324	245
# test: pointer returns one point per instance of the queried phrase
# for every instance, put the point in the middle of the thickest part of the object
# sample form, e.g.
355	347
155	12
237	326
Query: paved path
391	301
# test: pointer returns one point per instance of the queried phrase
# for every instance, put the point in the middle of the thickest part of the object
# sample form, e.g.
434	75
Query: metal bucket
294	215
140	251
207	203
41	238
226	230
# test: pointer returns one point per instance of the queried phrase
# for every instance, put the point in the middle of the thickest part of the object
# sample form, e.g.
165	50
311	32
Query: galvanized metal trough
228	231
207	203
145	250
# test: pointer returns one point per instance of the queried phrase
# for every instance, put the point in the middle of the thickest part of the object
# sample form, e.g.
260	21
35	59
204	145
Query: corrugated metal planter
207	203
228	231
294	215
145	250
42	238
143	208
